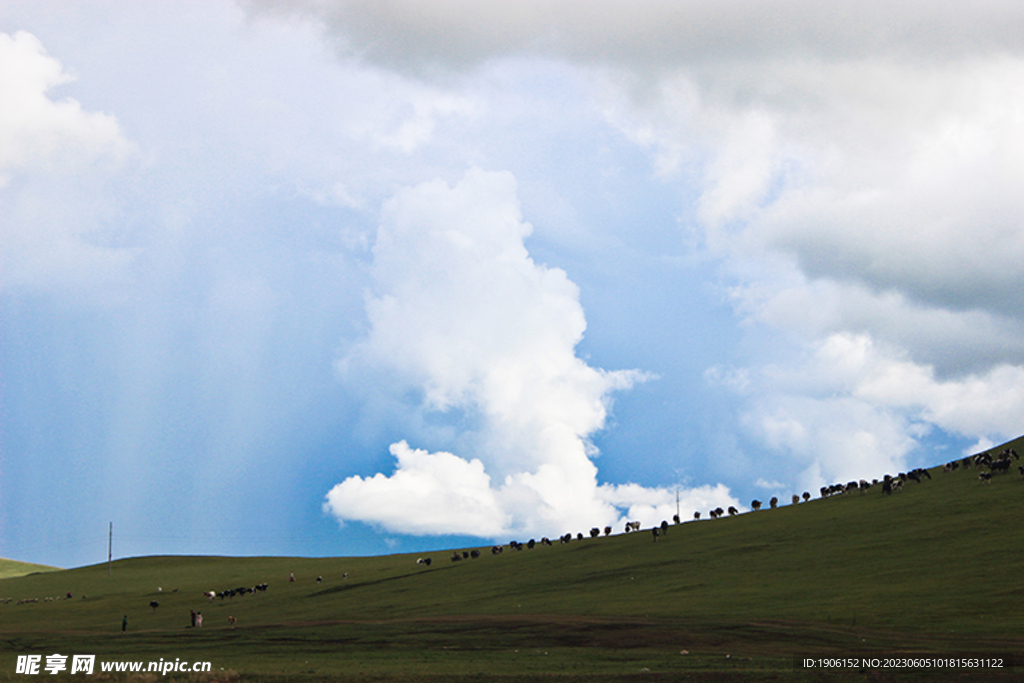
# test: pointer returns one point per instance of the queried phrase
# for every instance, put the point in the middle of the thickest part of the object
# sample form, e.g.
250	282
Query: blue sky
342	278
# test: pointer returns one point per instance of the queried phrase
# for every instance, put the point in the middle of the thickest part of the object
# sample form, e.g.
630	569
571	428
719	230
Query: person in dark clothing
124	624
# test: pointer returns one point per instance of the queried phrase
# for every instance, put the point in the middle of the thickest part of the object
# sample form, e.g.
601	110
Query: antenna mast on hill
677	504
110	546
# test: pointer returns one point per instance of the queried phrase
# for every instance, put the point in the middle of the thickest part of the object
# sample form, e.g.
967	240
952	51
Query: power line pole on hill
110	546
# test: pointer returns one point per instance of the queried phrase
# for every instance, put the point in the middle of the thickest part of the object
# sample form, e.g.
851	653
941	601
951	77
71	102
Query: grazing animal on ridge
999	466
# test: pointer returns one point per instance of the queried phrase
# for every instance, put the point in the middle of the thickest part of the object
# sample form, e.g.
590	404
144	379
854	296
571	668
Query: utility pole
677	506
110	546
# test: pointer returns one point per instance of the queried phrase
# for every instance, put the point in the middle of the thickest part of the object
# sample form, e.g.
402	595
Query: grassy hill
933	569
12	568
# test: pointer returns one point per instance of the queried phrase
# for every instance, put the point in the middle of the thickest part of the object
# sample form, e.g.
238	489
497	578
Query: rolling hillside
936	568
13	568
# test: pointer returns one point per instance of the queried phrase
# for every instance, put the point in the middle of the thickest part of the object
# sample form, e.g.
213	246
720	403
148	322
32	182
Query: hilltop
932	569
13	568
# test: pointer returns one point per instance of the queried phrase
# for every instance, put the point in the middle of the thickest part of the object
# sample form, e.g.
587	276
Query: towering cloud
465	316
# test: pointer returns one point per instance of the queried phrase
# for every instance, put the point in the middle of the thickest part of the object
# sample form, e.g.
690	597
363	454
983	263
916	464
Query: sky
334	278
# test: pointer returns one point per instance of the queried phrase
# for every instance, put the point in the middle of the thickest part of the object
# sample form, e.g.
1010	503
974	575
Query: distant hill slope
12	568
934	567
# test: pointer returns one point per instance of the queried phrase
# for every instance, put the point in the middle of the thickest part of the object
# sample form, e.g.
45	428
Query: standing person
124	624
193	613
291	576
199	619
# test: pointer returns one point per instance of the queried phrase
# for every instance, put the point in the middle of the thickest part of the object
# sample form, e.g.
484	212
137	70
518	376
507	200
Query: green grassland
934	570
11	568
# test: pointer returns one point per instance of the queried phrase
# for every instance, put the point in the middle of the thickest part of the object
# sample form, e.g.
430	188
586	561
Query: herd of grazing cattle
995	463
989	464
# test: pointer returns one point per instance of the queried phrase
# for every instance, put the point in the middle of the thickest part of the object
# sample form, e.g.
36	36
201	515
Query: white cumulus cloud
37	132
427	492
51	228
854	408
461	313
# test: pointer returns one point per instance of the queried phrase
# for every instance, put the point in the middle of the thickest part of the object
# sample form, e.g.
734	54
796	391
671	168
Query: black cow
999	466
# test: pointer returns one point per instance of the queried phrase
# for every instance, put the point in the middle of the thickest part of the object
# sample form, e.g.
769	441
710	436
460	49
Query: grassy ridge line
917	561
12	568
933	569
